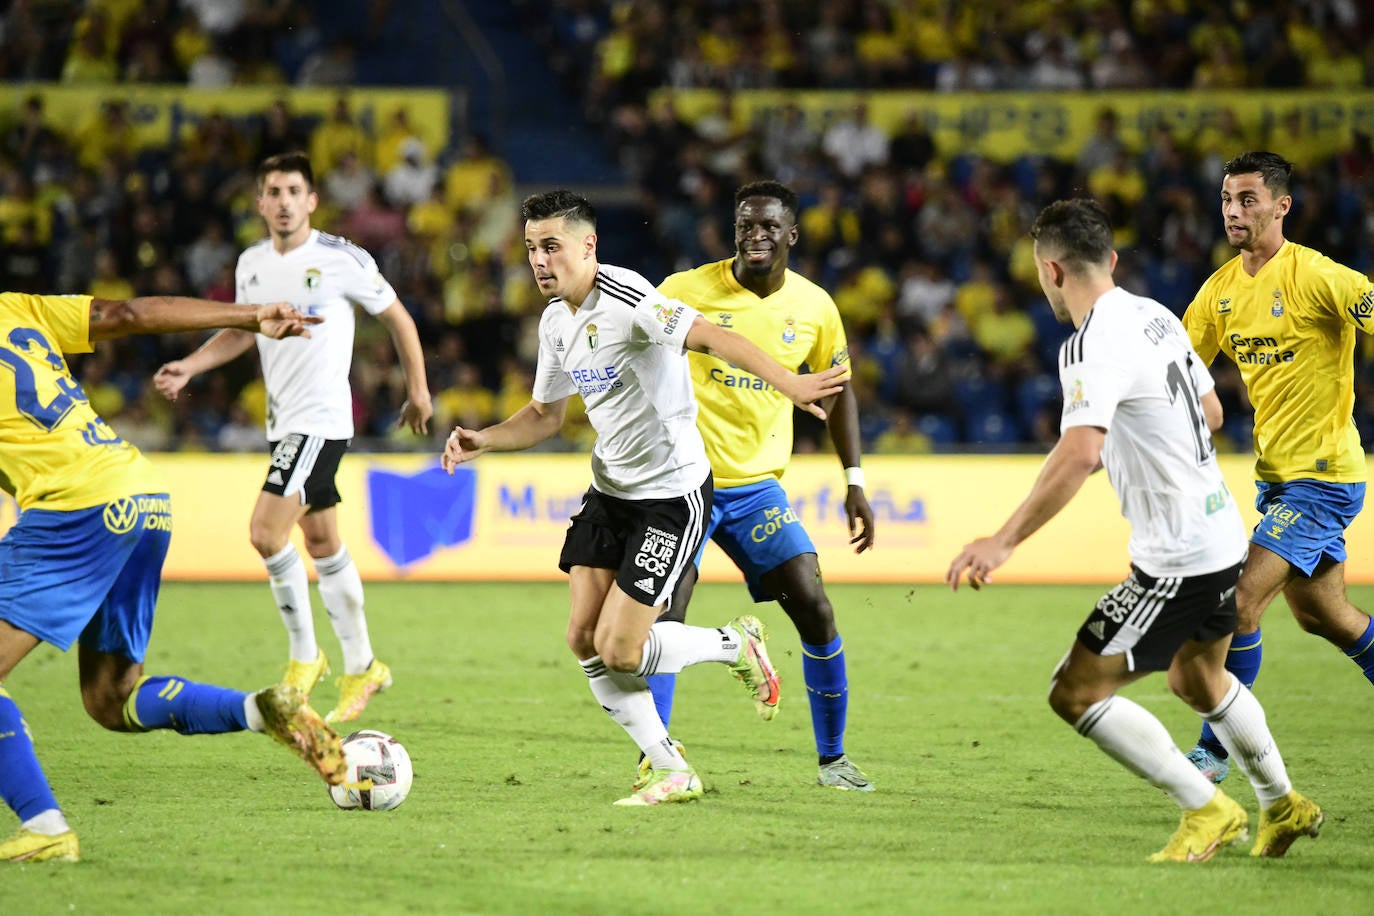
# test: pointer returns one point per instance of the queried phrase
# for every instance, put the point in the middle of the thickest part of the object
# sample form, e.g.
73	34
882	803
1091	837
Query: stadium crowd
925	251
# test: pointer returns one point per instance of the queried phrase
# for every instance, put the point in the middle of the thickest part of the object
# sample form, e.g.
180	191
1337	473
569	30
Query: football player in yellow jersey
747	426
1287	316
84	561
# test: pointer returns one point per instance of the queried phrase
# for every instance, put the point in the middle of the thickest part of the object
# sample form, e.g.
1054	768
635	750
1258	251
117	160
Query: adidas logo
1098	628
253	280
645	585
275	477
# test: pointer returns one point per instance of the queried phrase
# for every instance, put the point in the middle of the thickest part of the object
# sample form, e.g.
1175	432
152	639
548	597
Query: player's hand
415	413
806	390
171	378
860	519
462	445
978	559
281	319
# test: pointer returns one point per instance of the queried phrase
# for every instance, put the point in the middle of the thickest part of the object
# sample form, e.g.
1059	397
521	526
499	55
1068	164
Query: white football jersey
307	377
1130	370
623	351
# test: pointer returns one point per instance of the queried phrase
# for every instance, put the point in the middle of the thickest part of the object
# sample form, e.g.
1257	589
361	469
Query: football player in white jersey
1138	400
310	418
609	336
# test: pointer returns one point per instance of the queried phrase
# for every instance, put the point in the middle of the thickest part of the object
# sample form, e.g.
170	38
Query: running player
747	426
1287	316
1139	401
610	337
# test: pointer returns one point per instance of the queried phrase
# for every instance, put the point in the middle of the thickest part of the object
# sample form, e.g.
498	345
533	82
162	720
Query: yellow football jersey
1291	331
747	423
55	452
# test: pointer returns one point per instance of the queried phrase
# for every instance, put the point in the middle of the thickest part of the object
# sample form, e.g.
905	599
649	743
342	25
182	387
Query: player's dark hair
774	189
1275	171
287	162
1077	233
561	203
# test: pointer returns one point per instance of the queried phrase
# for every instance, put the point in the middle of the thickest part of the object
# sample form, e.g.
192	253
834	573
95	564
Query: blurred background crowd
923	245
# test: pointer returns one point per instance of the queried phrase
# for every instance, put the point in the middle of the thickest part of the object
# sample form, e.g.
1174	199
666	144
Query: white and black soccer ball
379	772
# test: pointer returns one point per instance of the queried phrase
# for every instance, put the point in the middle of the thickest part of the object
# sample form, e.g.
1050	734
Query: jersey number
1181	386
49	415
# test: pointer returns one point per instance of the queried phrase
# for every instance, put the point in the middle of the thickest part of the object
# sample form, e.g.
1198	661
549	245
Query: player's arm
1202	330
802	390
111	318
1211	410
225	346
418	407
528	426
1077	455
843	427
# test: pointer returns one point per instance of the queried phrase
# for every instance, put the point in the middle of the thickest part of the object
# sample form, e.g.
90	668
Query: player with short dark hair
610	337
1288	316
84	561
747	427
1139	402
310	419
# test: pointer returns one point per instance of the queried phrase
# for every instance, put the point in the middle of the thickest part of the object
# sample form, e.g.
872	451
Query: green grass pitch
986	802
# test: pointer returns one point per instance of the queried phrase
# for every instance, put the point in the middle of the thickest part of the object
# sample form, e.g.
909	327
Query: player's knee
1068	701
581	642
265	541
106	708
621	656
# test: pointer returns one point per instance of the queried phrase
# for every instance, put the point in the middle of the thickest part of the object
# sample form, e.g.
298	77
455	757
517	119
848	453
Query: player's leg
1263	577
1322	607
43	831
42	601
119	696
280	506
1134	629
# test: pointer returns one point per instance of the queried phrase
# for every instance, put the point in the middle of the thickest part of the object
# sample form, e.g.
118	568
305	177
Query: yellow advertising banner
503	517
1002	126
163	115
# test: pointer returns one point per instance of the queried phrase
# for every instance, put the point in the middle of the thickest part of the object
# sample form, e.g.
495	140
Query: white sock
341	588
253	714
286	575
1239	723
626	698
48	823
672	646
1134	738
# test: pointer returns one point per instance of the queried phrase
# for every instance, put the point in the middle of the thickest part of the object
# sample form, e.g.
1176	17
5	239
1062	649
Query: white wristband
854	477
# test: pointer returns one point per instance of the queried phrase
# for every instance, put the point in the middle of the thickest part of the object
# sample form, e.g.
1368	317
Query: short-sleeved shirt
55	451
307	377
747	423
1291	331
1129	369
623	351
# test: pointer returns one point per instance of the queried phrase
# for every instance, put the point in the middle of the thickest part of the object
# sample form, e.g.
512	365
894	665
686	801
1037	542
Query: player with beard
1287	316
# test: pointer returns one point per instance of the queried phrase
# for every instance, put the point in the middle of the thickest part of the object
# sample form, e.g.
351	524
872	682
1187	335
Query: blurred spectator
411	179
854	143
349	183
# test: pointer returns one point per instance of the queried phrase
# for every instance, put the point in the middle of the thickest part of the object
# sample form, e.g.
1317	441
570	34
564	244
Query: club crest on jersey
120	516
1223	306
591	337
1276	308
313	278
789	331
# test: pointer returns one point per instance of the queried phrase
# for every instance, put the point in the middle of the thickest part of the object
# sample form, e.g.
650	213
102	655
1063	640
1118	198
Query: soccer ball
379	772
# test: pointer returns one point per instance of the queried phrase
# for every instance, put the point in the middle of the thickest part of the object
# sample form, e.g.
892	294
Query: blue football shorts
758	529
90	574
1305	520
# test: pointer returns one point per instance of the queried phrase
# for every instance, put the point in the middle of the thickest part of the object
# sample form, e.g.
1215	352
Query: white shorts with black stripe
649	542
303	467
1147	619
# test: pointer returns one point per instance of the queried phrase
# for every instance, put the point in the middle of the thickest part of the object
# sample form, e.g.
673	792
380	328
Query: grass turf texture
986	802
